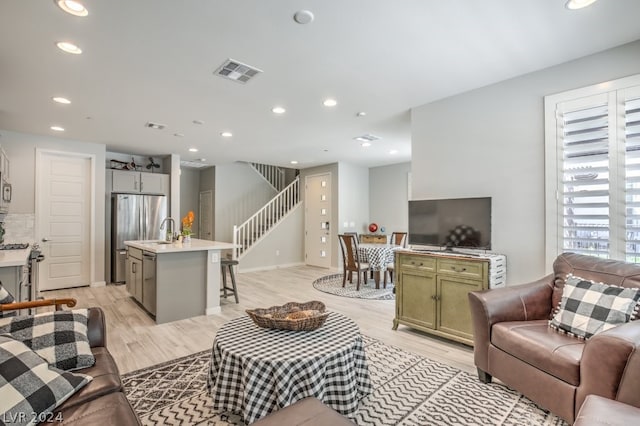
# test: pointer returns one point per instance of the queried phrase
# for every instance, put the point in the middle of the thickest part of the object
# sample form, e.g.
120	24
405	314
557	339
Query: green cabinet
432	289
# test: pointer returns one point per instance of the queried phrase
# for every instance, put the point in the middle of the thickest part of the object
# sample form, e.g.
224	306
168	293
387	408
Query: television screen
459	222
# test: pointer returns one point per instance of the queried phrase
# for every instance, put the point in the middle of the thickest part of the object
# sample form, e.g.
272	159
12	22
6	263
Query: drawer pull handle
458	270
435	297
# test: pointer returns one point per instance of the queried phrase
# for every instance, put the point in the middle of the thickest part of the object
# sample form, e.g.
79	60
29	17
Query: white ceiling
153	60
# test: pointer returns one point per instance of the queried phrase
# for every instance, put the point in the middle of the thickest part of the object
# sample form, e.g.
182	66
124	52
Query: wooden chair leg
233	282
344	277
224	281
358	281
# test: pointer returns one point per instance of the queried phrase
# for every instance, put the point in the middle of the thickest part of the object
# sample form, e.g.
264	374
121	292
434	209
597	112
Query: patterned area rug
333	284
408	390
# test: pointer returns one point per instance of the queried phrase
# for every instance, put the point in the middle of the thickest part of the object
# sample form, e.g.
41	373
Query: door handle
44	240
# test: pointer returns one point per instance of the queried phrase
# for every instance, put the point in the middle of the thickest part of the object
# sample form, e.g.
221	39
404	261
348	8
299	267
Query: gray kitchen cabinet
139	182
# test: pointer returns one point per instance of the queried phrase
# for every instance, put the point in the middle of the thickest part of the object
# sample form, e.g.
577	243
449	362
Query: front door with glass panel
317	220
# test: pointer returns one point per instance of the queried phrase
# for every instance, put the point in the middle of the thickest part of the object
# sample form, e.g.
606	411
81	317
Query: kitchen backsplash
19	228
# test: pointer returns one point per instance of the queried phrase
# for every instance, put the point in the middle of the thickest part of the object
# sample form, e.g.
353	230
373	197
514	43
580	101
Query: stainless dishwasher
149	282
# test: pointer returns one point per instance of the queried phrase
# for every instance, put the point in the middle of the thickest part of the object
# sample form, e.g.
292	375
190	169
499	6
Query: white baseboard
216	310
98	284
268	268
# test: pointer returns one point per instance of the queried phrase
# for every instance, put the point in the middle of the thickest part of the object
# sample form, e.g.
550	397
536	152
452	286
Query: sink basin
163	242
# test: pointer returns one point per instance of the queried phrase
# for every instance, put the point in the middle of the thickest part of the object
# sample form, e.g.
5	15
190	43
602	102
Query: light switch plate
215	258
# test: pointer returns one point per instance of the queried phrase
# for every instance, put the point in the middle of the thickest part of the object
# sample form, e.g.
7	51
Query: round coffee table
256	370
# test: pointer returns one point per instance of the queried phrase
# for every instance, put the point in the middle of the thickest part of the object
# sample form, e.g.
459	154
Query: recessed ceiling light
361	114
366	144
178	135
69	47
330	102
393	151
198	122
193	149
578	4
61	100
226	134
303	17
294	162
57	128
73	7
367	138
278	110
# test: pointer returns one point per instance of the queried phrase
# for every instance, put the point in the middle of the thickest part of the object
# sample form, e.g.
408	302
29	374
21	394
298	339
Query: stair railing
258	225
272	174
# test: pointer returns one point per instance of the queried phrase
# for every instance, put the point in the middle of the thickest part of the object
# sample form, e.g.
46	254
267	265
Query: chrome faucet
170	229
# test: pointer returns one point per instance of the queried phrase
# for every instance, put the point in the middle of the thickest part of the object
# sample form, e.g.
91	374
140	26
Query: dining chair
351	261
355	234
399	238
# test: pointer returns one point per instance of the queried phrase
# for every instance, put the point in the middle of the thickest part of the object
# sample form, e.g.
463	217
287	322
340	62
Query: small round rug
333	284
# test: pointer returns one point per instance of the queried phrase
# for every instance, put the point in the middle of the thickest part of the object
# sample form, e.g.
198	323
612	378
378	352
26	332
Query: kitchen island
174	281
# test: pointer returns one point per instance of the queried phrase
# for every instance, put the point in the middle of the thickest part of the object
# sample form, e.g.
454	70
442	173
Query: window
592	142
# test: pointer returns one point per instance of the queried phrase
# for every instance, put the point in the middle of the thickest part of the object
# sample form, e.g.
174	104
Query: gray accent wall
490	142
189	196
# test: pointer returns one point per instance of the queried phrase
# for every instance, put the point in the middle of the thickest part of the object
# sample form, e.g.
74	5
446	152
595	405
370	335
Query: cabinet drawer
373	239
420	263
134	252
462	268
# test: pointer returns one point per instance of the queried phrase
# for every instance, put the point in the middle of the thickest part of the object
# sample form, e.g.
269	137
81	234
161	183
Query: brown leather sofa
102	401
514	343
599	411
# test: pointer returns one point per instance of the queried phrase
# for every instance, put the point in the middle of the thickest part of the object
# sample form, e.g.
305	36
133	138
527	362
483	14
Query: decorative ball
373	227
382	229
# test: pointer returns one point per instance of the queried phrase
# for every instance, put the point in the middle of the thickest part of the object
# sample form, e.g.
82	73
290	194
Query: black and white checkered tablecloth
378	256
256	370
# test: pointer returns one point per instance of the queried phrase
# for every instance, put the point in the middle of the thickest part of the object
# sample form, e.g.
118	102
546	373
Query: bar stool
229	263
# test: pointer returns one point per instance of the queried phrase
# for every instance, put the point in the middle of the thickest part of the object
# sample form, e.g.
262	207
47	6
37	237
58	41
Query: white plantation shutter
585	186
632	176
592	173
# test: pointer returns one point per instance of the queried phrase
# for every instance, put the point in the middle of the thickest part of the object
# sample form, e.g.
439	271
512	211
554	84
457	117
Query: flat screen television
451	223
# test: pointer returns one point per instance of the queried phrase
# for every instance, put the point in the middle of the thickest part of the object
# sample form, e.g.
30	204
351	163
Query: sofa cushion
6	297
60	337
587	307
30	388
536	344
106	379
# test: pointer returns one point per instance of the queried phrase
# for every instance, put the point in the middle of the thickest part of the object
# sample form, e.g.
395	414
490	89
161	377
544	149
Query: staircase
257	226
272	174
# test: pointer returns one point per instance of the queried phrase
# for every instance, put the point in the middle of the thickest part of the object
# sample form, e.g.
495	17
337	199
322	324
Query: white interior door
64	219
205	226
318	220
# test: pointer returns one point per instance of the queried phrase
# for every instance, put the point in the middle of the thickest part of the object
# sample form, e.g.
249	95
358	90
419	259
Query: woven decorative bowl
311	316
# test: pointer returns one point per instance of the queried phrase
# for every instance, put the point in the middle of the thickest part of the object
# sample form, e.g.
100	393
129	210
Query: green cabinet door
454	315
416	298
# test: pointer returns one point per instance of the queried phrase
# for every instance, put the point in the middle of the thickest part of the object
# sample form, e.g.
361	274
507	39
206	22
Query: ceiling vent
237	71
195	164
367	138
156	126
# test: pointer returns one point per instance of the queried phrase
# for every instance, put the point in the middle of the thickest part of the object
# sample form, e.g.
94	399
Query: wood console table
431	292
373	239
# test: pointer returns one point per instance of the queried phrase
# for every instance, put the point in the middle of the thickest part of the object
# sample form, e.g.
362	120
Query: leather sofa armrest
524	302
610	365
96	328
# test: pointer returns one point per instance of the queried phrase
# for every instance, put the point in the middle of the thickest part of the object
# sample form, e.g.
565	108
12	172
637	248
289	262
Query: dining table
378	256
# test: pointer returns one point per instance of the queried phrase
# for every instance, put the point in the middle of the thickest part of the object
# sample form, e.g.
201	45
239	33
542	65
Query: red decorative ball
373	227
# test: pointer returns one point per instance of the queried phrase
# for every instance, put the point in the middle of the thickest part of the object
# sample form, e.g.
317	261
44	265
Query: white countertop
160	247
14	257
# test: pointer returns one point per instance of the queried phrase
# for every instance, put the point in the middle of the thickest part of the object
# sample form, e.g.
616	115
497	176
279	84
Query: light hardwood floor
137	342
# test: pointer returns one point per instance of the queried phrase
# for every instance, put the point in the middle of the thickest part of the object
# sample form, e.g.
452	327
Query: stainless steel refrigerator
133	217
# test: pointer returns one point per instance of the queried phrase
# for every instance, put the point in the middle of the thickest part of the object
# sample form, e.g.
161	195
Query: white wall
20	149
282	247
490	142
388	196
353	203
240	192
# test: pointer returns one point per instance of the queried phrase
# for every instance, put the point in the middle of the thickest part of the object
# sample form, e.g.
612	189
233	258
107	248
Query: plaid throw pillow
6	297
587	307
31	389
59	337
